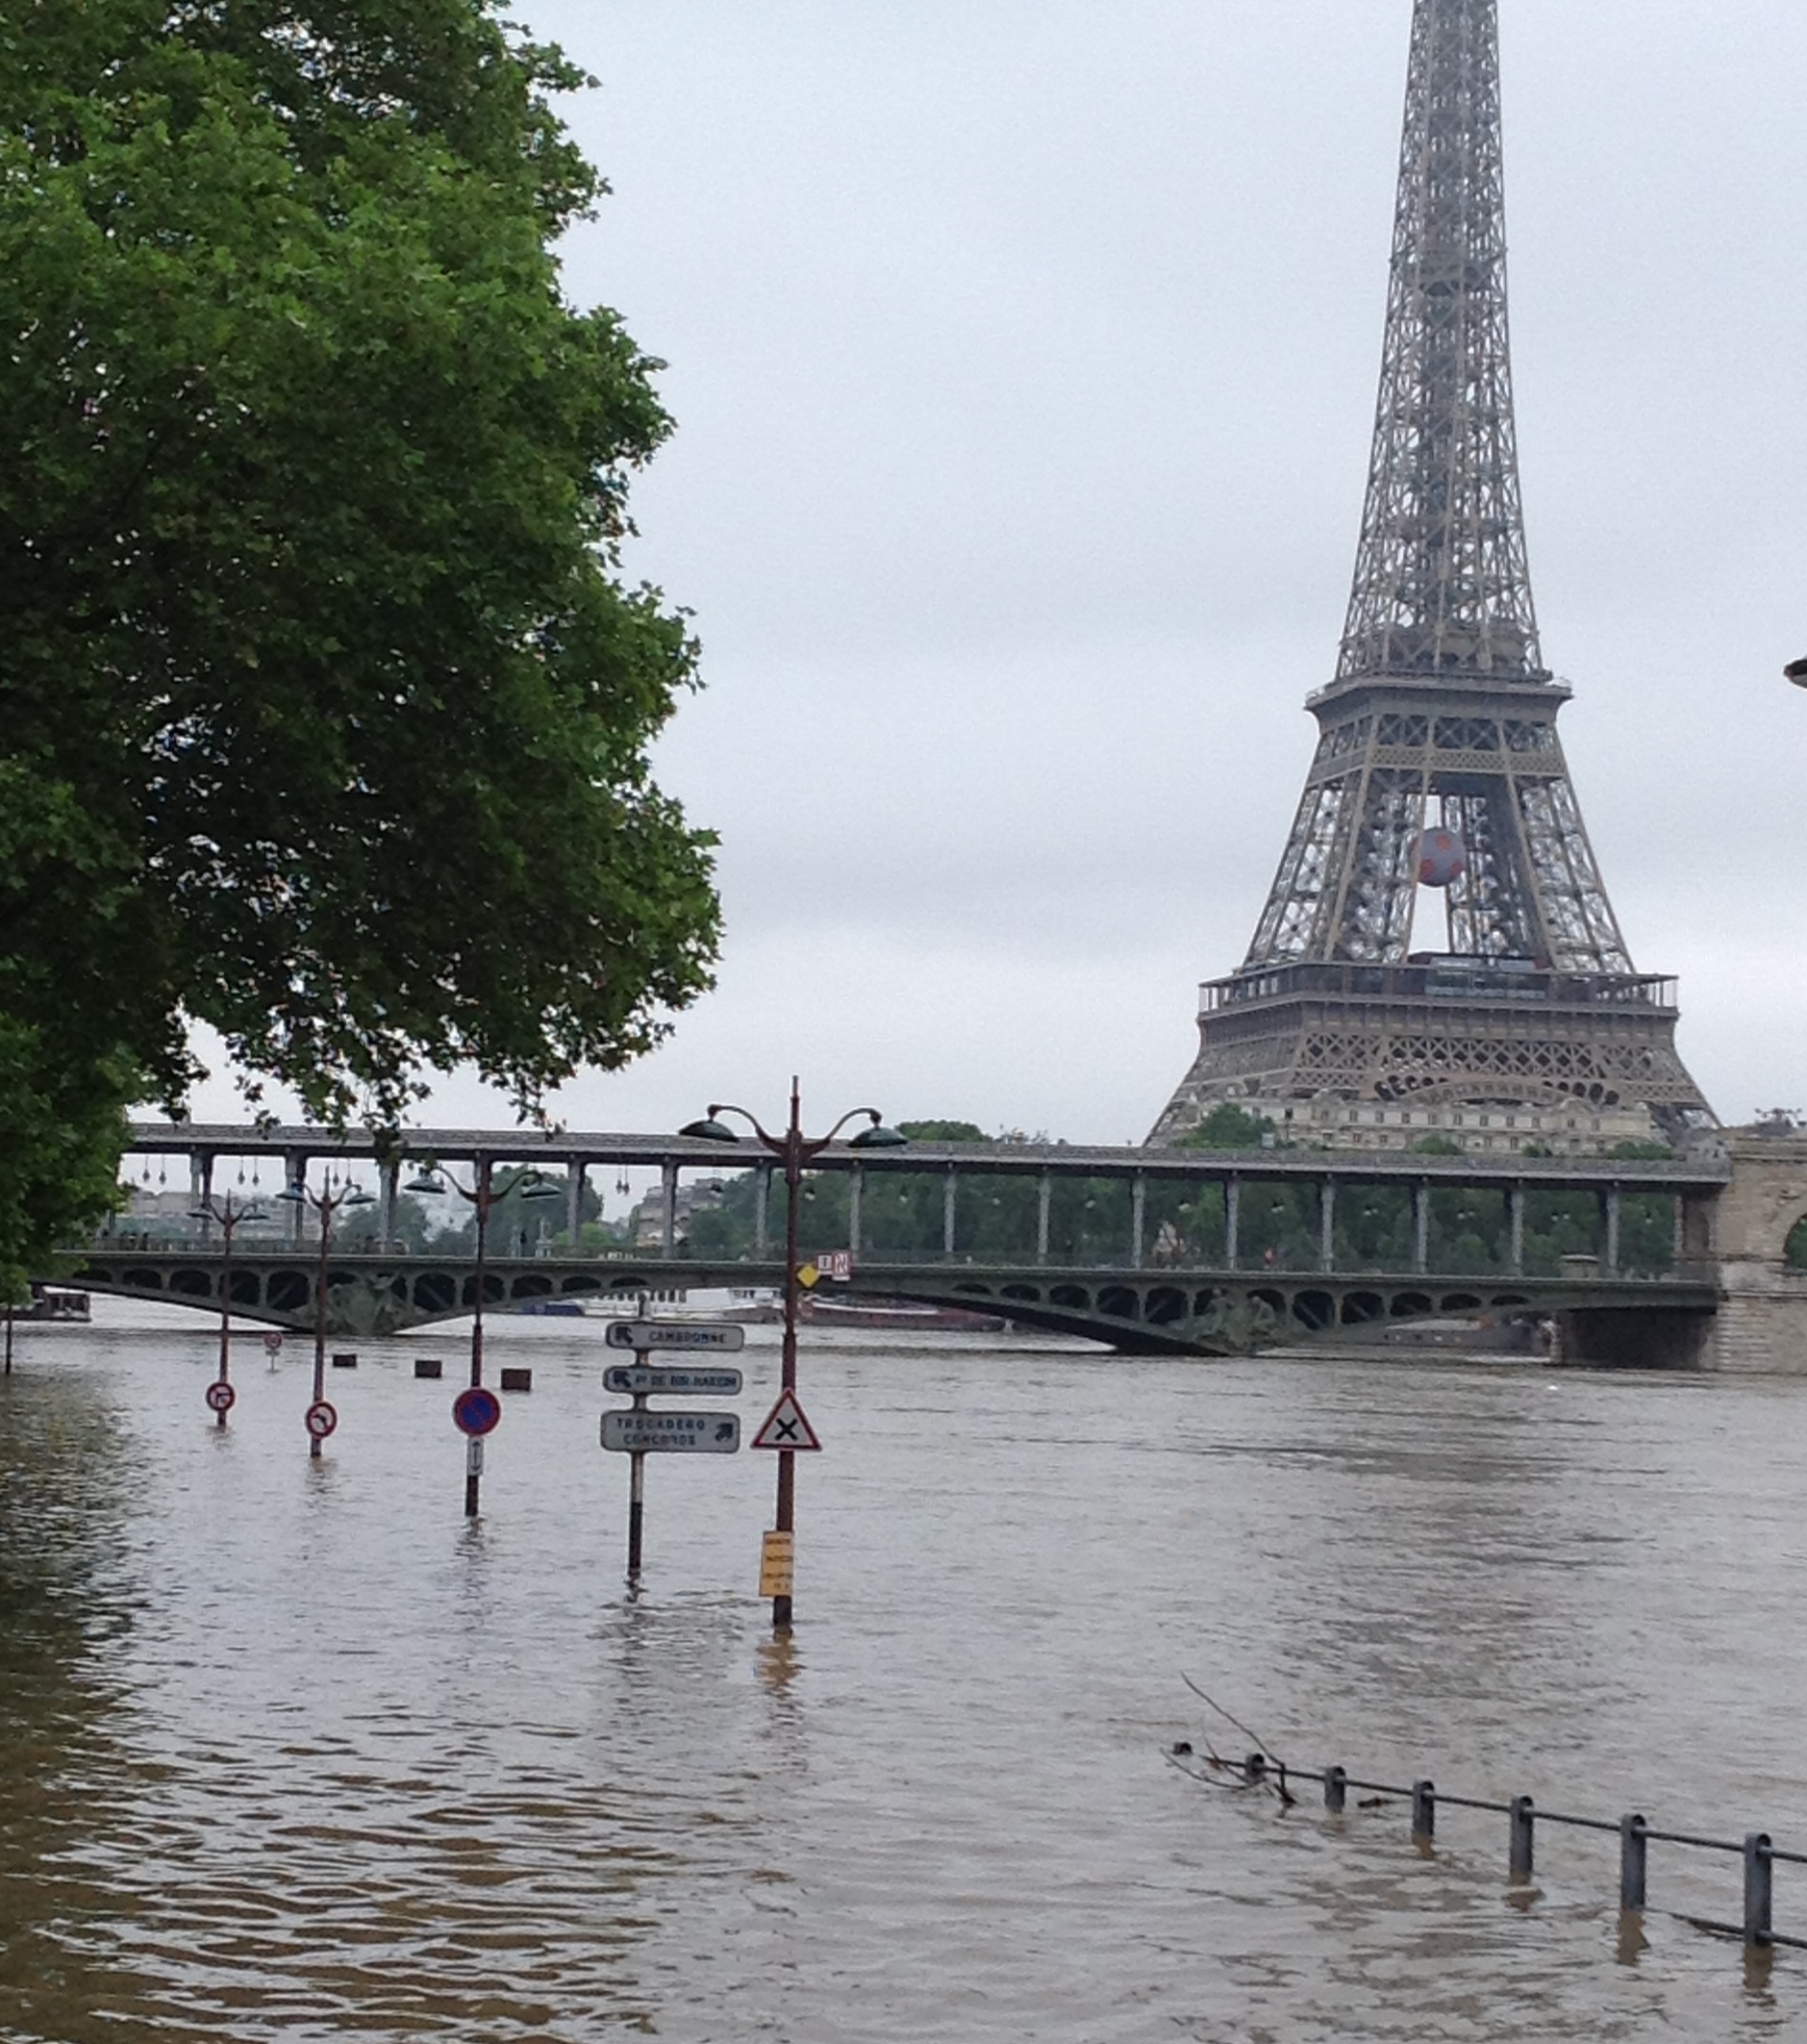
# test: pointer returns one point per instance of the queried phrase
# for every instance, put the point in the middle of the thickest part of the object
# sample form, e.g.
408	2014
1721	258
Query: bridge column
1232	1219
1138	1217
1515	1214
574	1173
762	1209
1422	1227
1044	1200
295	1173
856	1200
1327	1224
1609	1229
669	1217
948	1197
201	1186
390	1184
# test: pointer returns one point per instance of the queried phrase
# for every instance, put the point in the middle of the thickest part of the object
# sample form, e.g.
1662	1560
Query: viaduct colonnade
1729	1300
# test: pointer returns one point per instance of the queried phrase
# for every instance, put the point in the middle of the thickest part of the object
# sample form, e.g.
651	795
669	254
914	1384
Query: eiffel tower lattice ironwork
1438	737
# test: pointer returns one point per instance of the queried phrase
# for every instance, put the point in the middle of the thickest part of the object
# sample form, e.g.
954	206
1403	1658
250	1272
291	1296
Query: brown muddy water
290	1753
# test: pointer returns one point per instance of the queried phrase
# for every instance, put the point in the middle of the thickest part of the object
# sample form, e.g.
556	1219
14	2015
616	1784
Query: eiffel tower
1439	790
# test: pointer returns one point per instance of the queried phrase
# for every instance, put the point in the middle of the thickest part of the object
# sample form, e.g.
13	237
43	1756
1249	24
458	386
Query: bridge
1727	1298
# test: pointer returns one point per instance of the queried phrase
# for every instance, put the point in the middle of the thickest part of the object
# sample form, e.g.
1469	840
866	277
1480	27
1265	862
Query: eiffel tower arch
1438	756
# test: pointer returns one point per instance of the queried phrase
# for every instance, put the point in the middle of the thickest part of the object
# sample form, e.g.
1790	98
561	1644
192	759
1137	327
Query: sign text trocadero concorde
718	1336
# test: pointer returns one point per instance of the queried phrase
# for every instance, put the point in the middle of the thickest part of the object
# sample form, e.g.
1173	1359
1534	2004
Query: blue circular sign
476	1410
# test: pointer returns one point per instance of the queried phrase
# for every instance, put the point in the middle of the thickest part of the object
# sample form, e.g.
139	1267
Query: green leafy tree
325	706
1228	1126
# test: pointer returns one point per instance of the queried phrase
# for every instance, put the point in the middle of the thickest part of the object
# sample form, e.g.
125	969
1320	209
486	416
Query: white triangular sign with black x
786	1426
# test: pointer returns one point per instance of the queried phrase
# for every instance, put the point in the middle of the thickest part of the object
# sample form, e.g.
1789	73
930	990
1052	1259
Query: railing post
762	1210
856	1198
1232	1216
574	1174
1421	1227
948	1197
1138	1217
1523	1849
1514	1208
1759	1886
668	1210
1634	1852
1336	1790
1044	1200
1609	1204
1327	1224
1424	1812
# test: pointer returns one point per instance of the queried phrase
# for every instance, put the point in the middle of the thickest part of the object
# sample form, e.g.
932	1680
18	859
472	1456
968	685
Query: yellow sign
808	1275
777	1563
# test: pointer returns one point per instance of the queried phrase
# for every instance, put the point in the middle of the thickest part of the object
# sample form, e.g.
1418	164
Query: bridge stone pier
1738	1234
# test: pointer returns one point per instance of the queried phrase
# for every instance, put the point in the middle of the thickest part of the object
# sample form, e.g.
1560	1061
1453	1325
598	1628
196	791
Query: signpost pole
635	1487
787	1512
636	1510
473	1463
324	1206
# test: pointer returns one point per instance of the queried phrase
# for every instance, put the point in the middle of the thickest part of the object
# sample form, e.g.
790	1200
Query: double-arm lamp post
225	1213
795	1149
326	1202
482	1195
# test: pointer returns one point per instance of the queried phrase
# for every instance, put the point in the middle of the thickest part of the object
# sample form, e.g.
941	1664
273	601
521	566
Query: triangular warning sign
786	1426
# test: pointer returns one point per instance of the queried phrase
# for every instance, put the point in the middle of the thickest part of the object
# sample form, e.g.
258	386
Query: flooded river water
292	1753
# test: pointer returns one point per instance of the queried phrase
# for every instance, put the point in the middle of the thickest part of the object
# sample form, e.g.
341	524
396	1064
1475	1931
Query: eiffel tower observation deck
1438	794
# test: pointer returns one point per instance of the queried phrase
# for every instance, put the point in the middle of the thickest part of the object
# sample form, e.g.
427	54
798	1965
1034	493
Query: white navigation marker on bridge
721	1336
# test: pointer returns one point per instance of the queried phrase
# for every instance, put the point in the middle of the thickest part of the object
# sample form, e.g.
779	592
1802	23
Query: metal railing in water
1759	1854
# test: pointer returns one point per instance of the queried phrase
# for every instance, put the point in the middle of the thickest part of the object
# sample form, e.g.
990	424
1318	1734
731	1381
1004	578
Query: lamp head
709	1130
296	1195
879	1137
425	1182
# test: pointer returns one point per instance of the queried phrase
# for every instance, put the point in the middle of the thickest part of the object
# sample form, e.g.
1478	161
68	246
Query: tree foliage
325	706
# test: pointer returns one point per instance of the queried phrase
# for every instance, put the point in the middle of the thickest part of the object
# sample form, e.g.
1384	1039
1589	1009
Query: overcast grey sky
1023	355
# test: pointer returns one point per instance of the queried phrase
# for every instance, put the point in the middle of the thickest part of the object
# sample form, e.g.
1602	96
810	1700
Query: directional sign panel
672	1380
720	1337
786	1426
667	1433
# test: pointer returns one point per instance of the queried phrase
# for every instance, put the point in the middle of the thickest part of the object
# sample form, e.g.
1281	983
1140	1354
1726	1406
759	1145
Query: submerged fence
1759	1854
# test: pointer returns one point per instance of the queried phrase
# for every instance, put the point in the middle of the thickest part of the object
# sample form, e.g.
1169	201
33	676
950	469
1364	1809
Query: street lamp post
226	1214
795	1151
326	1202
482	1195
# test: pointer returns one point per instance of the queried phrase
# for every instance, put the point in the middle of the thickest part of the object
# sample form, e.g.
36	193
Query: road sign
786	1426
320	1419
777	1564
809	1277
664	1433
220	1395
837	1263
672	1380
719	1336
272	1343
476	1410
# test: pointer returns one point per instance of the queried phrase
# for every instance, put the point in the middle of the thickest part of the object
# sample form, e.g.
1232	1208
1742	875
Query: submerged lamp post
481	1197
226	1214
326	1202
795	1149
